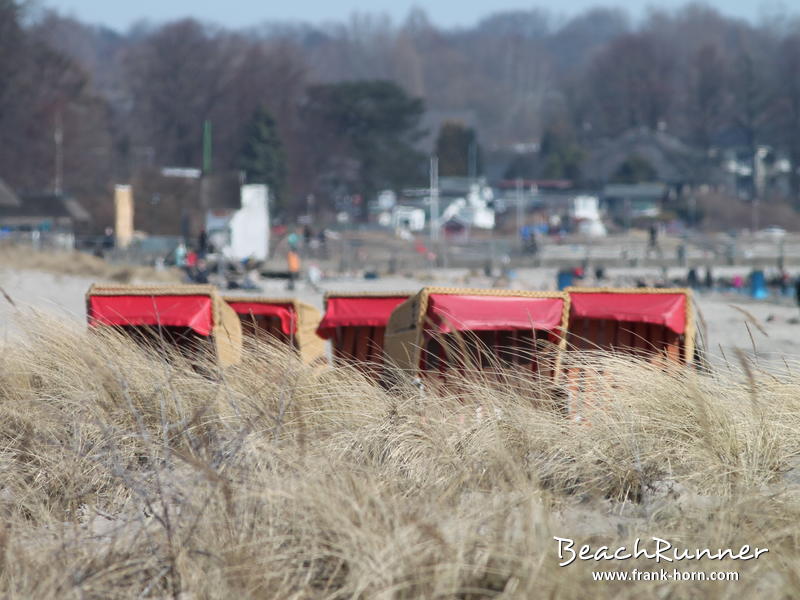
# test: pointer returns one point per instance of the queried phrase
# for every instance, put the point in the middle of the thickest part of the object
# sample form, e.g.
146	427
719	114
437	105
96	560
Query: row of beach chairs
431	333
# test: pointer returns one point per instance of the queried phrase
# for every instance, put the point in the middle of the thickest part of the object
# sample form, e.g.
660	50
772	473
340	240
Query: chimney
123	215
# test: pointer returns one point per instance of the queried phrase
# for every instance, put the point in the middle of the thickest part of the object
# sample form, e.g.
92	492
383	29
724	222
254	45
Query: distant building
574	211
7	196
673	162
409	218
44	212
468	201
753	175
241	230
626	203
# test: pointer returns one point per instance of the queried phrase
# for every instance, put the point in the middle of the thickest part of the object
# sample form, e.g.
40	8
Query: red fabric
194	312
668	310
361	311
487	313
285	312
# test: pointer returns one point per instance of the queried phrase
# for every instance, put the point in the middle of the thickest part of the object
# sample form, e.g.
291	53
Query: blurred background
395	139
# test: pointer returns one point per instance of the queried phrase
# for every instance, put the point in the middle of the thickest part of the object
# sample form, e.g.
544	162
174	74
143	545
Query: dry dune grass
83	265
128	475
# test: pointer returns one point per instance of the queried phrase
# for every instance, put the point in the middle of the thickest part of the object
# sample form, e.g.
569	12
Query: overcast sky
238	13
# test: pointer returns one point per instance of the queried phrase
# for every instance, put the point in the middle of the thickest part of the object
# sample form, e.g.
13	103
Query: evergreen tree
457	147
363	135
560	156
523	165
262	158
635	169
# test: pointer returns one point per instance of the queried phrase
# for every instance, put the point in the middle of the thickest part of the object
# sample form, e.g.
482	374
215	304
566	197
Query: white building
242	233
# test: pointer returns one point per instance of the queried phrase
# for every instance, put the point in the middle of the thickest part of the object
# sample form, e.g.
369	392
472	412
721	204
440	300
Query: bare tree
751	100
633	84
177	76
788	106
704	103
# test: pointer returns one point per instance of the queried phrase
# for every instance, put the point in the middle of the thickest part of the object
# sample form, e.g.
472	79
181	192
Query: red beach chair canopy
194	312
284	312
357	311
668	310
487	313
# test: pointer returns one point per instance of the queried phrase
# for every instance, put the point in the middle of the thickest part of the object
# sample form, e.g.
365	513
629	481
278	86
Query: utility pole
207	147
759	177
472	159
434	193
58	137
520	209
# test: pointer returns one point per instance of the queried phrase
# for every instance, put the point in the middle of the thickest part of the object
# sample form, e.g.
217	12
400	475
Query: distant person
191	259
681	254
532	246
692	279
202	244
308	235
200	274
180	256
293	240
528	236
293	263
250	279
785	282
599	273
709	278
109	242
653	236
314	276
322	240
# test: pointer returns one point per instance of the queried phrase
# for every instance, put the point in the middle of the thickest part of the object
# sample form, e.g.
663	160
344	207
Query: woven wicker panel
153	290
403	338
227	334
305	339
310	345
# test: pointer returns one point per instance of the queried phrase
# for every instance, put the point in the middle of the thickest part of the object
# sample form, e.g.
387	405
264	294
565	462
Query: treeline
327	113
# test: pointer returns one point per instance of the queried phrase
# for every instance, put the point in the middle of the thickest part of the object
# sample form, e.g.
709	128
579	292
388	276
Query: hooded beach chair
654	324
191	318
648	322
288	320
442	331
356	324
